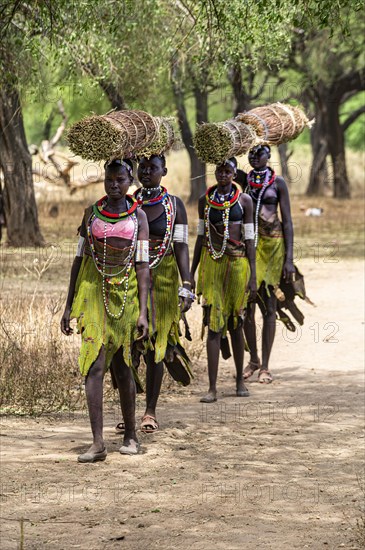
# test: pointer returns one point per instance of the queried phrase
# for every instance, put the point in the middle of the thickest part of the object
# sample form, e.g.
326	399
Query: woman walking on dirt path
168	258
274	255
108	297
225	253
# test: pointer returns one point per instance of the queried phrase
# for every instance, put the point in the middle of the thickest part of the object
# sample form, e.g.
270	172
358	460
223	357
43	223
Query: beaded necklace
255	179
101	265
262	185
213	200
164	198
102	214
138	195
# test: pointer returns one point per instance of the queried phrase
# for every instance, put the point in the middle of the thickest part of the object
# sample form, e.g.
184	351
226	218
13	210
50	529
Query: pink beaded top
124	229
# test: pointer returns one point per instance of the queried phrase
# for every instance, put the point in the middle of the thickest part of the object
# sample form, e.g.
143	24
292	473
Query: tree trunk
198	181
241	99
336	147
318	179
197	168
285	155
16	164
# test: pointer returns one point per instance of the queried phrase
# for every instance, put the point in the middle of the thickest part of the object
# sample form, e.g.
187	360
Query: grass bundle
276	123
97	138
164	139
114	135
141	128
216	142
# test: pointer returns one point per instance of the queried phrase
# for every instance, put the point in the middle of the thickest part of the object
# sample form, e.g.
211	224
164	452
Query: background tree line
203	60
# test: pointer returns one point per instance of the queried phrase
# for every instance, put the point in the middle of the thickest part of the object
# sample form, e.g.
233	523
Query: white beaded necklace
127	267
225	218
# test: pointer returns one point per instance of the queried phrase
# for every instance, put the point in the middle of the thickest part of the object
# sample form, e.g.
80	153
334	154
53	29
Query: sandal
250	368
149	424
120	428
264	377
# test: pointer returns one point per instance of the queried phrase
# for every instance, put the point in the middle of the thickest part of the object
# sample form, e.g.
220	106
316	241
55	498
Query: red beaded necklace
100	212
259	184
219	205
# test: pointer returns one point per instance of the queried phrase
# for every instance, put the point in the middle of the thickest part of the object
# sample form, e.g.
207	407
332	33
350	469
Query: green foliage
79	98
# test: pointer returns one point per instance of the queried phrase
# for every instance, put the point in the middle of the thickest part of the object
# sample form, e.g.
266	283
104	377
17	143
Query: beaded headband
121	163
231	164
259	147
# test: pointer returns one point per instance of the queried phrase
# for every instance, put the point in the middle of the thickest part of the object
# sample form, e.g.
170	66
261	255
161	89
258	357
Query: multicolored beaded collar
210	194
102	214
150	202
255	178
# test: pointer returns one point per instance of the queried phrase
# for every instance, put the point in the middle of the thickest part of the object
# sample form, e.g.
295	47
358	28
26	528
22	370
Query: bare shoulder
179	202
280	182
245	199
141	215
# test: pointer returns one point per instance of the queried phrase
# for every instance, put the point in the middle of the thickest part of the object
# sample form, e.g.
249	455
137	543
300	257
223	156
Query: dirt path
281	469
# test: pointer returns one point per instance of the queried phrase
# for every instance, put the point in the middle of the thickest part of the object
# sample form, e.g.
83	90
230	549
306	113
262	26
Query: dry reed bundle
216	142
164	139
114	135
141	127
276	123
97	138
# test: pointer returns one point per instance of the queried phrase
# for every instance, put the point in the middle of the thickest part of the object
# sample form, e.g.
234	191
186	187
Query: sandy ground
280	469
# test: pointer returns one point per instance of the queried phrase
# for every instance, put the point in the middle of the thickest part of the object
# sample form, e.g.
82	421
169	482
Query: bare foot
209	398
241	390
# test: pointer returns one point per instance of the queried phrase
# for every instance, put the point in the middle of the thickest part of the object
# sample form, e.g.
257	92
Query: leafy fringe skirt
223	284
97	329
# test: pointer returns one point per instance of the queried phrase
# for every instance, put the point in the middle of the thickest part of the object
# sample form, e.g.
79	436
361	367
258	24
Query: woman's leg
269	328
127	395
213	349
249	327
154	375
250	331
238	347
94	397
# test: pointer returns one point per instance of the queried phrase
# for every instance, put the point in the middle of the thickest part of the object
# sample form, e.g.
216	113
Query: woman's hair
232	162
160	157
257	148
117	163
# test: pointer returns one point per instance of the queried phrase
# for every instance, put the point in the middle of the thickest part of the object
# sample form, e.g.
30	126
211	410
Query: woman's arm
198	242
65	321
246	202
143	277
76	264
284	202
181	249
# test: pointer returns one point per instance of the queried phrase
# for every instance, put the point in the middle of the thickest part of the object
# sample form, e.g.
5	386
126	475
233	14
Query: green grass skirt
270	254
163	306
223	285
96	327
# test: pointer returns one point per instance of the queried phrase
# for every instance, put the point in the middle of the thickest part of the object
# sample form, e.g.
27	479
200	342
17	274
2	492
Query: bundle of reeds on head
276	123
164	139
216	142
119	134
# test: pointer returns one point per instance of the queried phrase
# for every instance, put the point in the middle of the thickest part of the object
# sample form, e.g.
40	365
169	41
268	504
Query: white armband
200	228
180	233
249	231
80	247
142	254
